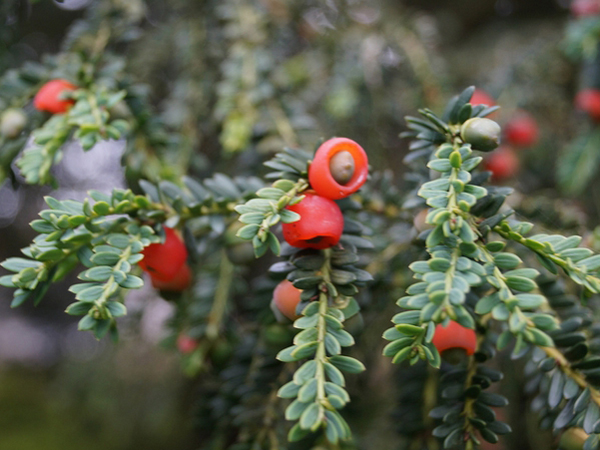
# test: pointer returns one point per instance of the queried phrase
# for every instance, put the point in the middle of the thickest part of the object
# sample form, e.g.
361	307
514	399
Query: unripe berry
340	167
180	282
320	226
454	336
50	97
186	344
573	439
278	334
163	261
588	100
286	298
481	97
12	123
483	134
503	163
585	8
522	130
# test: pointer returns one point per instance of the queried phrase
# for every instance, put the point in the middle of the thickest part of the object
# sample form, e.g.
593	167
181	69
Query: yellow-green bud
482	134
573	439
12	123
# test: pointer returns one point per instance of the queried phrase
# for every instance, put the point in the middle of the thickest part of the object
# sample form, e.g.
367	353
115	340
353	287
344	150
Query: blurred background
239	79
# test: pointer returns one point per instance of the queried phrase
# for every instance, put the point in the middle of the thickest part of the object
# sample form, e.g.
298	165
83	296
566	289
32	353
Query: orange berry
481	97
320	226
286	298
186	344
585	8
588	100
163	261
340	167
454	335
49	96
503	163
180	282
522	130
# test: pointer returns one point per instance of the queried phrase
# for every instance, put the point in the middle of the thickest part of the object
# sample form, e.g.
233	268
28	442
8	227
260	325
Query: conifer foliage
274	273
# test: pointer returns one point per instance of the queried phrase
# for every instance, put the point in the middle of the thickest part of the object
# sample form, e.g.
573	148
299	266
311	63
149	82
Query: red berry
49	97
585	8
286	298
480	97
522	130
163	261
454	335
320	226
180	282
588	100
503	163
186	344
340	167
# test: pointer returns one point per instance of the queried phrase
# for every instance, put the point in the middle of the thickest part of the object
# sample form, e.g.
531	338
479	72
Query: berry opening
454	336
329	173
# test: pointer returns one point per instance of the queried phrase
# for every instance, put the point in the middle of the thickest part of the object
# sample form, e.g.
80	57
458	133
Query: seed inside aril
341	166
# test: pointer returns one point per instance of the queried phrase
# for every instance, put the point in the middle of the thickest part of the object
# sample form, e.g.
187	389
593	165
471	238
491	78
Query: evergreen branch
506	305
262	213
562	252
467	411
318	385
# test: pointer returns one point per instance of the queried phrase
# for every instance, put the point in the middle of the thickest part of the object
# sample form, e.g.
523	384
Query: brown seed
341	166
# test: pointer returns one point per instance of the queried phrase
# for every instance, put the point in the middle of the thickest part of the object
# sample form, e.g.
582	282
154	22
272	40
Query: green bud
12	123
482	134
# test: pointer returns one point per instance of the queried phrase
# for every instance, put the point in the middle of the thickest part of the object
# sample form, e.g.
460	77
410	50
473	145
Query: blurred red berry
585	8
180	282
186	344
503	163
522	130
163	261
49	97
320	226
588	100
286	298
480	97
454	335
340	167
